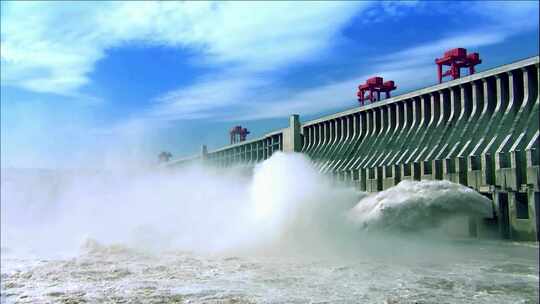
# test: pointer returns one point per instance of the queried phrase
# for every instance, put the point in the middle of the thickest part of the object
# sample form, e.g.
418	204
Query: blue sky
100	84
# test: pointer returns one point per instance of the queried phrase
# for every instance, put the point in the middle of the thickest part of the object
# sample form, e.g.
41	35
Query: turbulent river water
466	272
279	234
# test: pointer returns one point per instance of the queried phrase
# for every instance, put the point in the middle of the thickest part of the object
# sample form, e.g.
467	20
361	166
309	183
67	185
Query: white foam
284	201
416	205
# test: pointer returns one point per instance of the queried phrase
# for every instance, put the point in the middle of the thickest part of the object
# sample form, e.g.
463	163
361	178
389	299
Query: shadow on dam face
504	216
537	207
500	224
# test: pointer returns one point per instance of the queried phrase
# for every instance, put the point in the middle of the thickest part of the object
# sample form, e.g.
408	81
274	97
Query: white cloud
204	99
249	99
400	66
47	47
335	95
508	16
427	50
254	102
423	55
51	47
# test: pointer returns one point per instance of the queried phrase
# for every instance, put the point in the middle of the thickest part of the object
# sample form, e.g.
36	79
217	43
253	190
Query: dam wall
481	131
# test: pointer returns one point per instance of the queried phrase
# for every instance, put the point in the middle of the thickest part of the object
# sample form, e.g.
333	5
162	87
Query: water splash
284	202
419	205
205	235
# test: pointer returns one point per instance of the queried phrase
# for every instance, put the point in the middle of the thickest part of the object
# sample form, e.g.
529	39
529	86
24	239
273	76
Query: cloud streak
47	47
261	103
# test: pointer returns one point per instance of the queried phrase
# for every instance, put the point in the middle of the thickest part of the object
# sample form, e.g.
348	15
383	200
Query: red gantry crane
238	134
456	59
374	86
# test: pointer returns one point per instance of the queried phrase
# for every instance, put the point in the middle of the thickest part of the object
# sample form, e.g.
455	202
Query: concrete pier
481	131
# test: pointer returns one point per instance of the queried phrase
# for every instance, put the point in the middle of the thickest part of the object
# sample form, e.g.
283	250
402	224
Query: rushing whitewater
278	233
415	205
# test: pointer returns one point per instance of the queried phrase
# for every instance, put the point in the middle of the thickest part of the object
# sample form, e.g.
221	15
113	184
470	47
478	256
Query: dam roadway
481	131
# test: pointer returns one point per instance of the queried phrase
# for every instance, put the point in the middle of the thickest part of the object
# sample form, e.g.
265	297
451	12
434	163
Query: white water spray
284	203
416	206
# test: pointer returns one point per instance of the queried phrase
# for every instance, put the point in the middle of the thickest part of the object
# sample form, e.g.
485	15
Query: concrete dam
481	131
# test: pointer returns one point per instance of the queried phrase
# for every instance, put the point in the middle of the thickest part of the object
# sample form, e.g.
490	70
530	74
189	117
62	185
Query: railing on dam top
251	151
248	152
